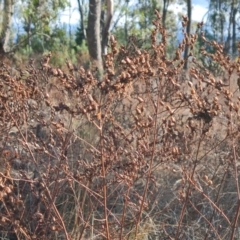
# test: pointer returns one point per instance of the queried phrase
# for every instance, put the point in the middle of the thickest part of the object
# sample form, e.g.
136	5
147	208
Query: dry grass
146	152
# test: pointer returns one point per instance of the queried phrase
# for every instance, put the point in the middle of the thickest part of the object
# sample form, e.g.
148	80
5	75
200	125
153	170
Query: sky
200	8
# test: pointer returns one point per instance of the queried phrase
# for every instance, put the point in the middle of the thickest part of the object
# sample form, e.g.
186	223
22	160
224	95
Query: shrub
148	151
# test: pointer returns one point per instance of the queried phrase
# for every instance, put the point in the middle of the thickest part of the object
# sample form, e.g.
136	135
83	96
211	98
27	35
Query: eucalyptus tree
188	30
94	27
224	22
233	25
165	5
93	32
6	9
38	18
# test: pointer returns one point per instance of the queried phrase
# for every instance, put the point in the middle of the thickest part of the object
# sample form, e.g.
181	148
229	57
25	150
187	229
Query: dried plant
148	151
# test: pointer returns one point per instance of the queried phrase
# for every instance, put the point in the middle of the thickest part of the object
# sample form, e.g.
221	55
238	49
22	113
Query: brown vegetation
147	152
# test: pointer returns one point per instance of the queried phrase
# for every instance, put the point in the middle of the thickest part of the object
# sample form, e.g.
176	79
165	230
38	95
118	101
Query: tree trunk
93	33
82	27
234	42
6	25
126	22
105	31
164	12
228	41
189	14
222	21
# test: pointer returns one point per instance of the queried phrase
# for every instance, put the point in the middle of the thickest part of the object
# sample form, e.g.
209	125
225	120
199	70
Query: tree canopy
33	27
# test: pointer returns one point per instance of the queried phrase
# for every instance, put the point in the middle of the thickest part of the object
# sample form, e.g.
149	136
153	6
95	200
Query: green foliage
43	32
39	23
79	36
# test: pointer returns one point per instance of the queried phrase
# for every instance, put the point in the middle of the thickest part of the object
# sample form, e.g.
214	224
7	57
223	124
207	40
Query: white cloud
198	11
71	14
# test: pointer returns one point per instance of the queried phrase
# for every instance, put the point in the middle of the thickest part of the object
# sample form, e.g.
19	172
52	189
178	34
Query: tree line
40	21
